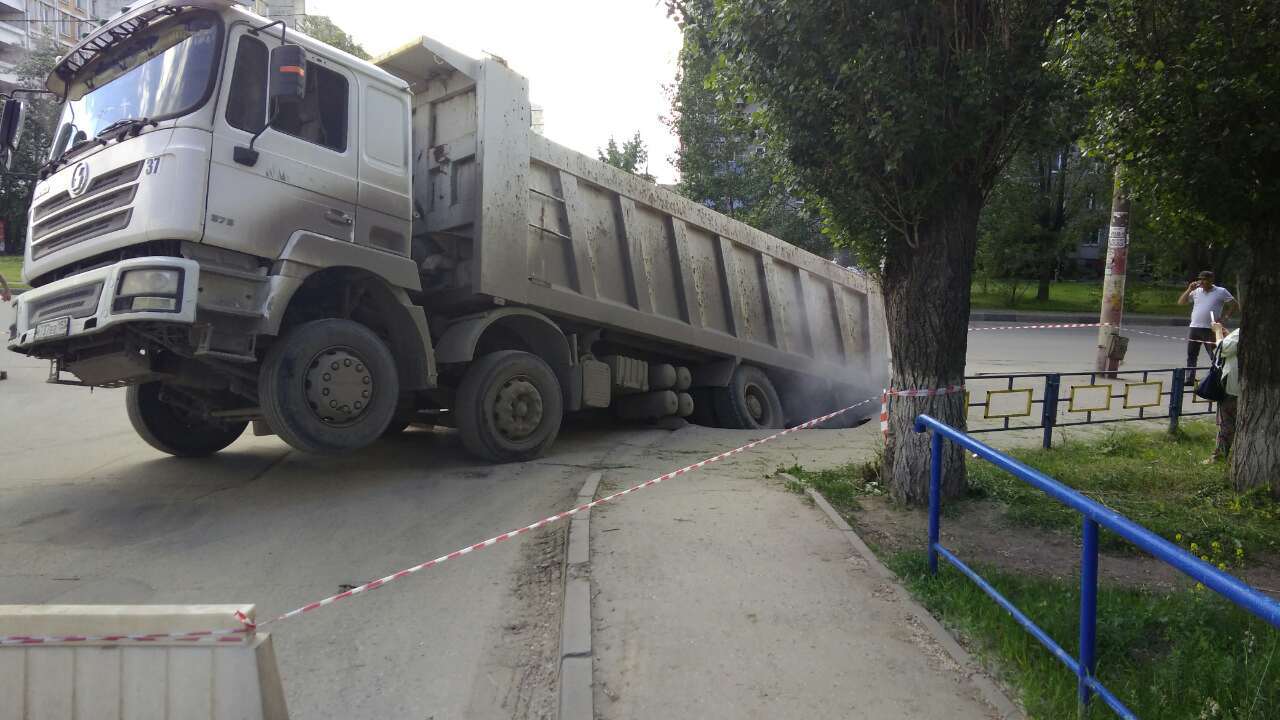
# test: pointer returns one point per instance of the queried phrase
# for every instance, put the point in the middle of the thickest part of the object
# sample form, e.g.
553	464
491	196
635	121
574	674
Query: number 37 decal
152	165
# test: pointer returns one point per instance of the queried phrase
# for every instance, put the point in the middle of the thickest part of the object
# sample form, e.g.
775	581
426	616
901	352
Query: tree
898	115
727	163
632	156
1185	94
1178	241
326	31
1047	199
42	111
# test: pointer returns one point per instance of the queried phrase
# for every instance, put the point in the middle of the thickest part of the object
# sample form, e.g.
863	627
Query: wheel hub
339	386
517	409
755	405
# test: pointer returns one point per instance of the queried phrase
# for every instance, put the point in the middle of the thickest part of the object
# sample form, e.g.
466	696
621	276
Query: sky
598	68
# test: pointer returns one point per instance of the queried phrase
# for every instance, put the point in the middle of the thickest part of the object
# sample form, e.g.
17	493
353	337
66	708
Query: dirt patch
529	645
979	533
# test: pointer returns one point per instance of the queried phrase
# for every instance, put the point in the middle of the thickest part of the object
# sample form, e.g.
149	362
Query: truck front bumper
93	302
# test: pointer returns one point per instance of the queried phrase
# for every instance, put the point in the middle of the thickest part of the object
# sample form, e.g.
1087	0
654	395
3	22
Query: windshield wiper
134	125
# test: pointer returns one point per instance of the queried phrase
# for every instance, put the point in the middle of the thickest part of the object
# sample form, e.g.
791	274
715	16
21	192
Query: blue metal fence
1095	515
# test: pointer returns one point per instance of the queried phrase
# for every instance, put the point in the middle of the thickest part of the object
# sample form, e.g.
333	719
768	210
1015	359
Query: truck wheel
509	407
750	402
169	429
328	387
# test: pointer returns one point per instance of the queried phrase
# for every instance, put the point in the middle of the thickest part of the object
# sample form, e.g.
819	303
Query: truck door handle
337	216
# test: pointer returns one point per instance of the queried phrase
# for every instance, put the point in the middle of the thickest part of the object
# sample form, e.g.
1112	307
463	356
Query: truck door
305	174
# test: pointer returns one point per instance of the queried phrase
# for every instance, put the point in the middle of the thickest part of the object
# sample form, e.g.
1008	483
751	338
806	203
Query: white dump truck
242	224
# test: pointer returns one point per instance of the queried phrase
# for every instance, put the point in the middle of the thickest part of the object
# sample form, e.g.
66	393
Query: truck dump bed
504	215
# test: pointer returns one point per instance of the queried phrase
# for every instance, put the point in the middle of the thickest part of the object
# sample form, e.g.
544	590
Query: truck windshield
163	71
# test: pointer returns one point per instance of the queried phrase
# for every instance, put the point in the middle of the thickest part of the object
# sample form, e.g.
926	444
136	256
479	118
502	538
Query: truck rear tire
750	402
328	387
171	430
509	407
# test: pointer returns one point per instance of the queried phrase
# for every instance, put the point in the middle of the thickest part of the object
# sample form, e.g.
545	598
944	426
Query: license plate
57	327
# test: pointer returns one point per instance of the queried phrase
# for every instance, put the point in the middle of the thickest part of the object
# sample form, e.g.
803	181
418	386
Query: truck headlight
148	290
150	282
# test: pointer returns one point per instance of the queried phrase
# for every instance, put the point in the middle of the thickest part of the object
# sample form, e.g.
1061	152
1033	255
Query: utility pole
1111	347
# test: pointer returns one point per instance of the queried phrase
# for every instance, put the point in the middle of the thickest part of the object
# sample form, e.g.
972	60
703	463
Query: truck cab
205	196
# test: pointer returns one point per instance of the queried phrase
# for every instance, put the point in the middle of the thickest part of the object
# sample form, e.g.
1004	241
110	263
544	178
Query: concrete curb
1046	317
991	693
576	696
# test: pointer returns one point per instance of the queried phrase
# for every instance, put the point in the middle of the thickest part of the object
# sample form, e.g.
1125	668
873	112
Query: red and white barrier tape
914	393
1091	325
1171	337
928	392
1059	326
239	634
884	415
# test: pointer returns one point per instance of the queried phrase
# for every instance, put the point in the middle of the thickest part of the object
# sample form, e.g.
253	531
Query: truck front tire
750	402
509	407
328	387
171	430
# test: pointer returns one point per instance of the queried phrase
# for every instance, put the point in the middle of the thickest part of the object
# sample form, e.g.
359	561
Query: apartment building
290	11
23	23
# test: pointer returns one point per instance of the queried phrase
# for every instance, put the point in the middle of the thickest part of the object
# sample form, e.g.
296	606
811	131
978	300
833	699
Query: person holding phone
1209	303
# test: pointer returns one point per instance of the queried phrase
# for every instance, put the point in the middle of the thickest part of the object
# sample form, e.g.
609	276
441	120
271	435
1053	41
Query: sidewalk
723	595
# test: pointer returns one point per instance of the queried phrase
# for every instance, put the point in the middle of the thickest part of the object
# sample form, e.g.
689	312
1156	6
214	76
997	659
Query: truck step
228	356
228	310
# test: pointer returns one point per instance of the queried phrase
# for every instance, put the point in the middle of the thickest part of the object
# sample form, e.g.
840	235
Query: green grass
1141	298
1186	654
1153	478
11	269
841	486
1183	654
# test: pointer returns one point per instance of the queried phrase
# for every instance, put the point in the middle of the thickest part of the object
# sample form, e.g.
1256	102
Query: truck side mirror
11	119
286	87
63	139
288	83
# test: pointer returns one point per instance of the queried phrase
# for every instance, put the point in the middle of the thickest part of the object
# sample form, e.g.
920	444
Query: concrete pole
1112	314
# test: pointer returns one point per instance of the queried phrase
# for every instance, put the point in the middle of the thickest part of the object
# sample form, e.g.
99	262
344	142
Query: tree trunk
1255	459
1046	278
927	305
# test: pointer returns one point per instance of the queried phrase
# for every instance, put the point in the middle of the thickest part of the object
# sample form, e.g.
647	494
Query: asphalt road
91	514
1069	350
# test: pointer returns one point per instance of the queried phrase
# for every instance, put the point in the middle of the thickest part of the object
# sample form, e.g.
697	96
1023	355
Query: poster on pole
1119	233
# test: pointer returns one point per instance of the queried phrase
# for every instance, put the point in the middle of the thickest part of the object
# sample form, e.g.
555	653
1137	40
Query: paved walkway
722	595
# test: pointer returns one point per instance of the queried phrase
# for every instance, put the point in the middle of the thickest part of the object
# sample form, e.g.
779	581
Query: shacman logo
79	179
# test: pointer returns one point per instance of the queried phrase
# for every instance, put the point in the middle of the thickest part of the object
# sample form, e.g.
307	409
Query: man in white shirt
1209	304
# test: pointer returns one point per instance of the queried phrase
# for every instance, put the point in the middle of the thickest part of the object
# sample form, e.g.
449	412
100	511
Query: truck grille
59	221
77	302
43	246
